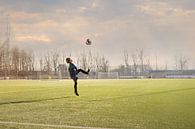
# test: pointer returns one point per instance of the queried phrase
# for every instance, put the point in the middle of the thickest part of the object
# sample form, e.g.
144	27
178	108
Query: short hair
68	59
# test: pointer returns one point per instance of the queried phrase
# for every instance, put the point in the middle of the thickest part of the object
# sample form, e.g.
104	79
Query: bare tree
97	65
176	62
16	60
48	66
104	64
55	61
5	57
41	64
90	60
22	61
126	61
2	57
78	61
62	67
63	58
84	60
148	64
33	62
156	60
141	58
126	58
166	65
183	61
135	63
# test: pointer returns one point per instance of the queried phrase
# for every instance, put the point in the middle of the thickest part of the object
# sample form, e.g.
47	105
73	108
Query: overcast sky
165	28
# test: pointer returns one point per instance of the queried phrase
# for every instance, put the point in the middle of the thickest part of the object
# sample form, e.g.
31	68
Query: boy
74	72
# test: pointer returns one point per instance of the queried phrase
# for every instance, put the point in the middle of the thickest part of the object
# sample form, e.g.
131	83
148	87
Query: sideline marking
50	125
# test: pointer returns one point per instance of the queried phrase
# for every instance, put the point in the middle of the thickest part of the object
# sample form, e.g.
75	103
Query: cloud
91	6
20	17
63	11
33	38
162	10
112	25
169	23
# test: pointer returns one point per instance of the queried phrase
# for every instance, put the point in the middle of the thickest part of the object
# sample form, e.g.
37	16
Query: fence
100	75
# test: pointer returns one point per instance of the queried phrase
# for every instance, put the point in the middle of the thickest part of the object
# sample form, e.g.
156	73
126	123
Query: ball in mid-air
88	42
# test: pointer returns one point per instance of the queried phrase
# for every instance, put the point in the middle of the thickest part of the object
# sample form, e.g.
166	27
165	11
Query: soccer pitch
128	104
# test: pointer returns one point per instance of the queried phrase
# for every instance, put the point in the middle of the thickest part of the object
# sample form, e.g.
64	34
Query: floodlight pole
7	46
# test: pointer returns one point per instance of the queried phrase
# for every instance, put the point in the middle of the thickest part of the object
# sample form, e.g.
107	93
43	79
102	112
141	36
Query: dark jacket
72	70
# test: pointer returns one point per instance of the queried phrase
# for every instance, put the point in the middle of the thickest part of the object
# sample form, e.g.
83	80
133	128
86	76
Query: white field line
27	90
49	125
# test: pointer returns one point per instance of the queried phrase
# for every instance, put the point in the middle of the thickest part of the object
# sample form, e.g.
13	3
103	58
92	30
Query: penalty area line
49	125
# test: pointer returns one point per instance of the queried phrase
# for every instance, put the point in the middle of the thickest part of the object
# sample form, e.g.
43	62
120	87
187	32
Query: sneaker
88	71
76	94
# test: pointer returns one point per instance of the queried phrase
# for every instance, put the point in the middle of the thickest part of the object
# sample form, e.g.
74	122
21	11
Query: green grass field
128	104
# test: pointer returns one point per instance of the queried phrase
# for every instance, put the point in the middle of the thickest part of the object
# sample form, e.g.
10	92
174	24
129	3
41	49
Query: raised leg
83	71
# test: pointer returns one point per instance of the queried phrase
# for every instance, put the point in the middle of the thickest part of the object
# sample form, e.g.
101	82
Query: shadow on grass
32	101
146	94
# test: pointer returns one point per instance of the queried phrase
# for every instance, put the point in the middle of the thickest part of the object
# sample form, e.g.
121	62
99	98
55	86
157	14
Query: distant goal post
107	75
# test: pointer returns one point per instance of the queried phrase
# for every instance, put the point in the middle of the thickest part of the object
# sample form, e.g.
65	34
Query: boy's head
68	60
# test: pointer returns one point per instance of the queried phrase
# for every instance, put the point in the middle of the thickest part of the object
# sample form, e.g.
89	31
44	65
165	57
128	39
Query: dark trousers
76	78
81	70
75	84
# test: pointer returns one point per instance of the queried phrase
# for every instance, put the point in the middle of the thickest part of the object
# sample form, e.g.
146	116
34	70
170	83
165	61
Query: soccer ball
88	42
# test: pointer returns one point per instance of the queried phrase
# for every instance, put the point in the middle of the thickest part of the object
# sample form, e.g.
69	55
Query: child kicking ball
73	71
